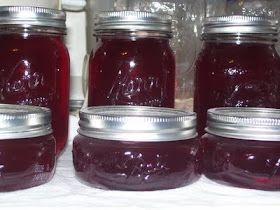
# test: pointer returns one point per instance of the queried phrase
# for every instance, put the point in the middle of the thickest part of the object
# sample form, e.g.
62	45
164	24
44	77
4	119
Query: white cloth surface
64	191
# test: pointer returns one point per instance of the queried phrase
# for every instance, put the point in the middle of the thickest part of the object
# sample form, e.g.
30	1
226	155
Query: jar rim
244	123
21	121
137	123
28	17
239	24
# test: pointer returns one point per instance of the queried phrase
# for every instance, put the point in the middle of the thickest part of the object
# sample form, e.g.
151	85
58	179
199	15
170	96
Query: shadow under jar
238	65
242	147
27	147
34	63
133	63
136	148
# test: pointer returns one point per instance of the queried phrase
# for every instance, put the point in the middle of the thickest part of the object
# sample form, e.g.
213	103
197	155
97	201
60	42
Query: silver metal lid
19	121
137	123
32	16
240	25
133	21
244	123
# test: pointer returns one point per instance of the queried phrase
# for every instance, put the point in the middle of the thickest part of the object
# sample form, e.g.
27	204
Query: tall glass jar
133	63
34	63
238	65
187	16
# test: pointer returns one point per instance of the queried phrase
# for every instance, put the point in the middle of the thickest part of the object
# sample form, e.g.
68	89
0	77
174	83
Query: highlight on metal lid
20	121
137	123
244	123
240	24
132	21
32	16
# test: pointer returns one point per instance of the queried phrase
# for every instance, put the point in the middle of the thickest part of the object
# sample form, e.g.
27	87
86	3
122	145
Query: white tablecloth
64	191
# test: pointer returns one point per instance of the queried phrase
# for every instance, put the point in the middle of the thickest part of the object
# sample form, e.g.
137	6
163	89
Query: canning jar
133	63
238	65
34	63
136	148
242	147
27	147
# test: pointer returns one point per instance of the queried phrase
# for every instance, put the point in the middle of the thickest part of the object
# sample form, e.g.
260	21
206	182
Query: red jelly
238	65
34	63
242	147
136	148
133	63
27	147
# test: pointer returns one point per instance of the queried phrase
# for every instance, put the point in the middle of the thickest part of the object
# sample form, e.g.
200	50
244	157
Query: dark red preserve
133	63
34	63
238	65
27	147
242	147
136	148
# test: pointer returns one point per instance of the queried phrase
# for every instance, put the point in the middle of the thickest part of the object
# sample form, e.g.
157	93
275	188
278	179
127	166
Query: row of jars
134	64
144	148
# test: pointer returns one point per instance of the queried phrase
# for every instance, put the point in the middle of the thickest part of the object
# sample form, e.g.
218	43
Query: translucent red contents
227	74
26	163
136	166
242	163
132	72
34	70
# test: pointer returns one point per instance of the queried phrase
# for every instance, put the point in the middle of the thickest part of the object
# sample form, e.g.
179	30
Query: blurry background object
73	5
76	44
93	7
54	4
265	8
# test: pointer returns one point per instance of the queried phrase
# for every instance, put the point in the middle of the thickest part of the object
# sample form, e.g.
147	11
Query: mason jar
238	65
133	63
27	147
136	148
241	147
34	62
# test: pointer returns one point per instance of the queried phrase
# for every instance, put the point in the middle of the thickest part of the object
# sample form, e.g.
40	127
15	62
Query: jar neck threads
269	39
34	30
132	34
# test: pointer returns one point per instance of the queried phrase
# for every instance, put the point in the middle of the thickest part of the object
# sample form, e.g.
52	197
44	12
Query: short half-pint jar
136	148
242	147
27	147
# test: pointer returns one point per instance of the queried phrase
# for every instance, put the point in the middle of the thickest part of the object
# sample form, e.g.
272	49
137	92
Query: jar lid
19	121
137	123
133	21
32	16
240	24
244	123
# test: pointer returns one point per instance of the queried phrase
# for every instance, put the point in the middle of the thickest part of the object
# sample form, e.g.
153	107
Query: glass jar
241	147
133	63
27	147
238	65
136	148
187	17
35	63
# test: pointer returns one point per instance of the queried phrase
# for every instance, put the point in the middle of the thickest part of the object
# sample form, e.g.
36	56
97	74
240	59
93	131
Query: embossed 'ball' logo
24	84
